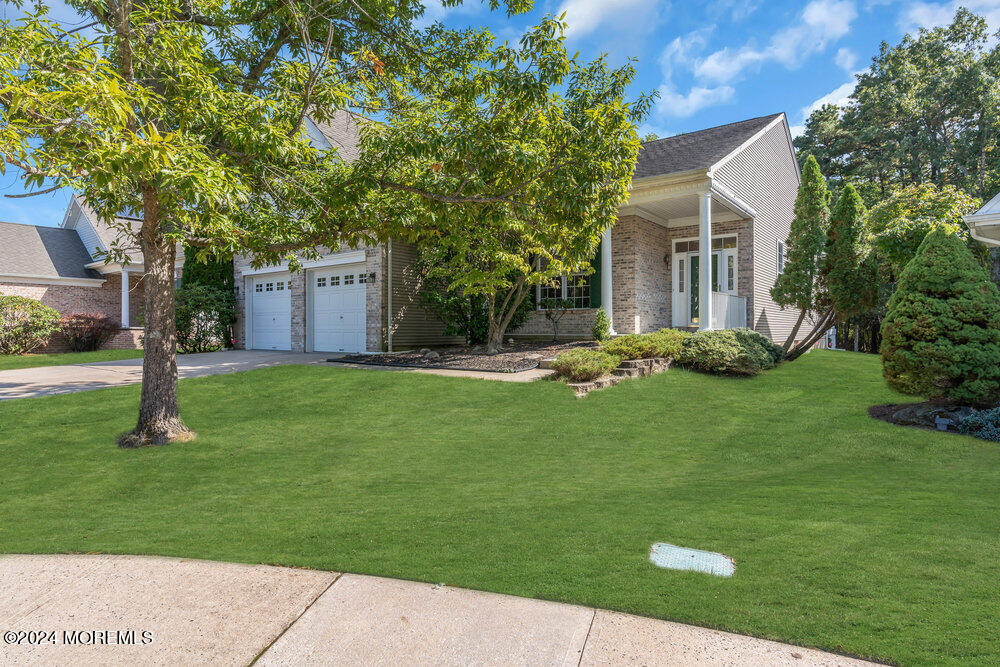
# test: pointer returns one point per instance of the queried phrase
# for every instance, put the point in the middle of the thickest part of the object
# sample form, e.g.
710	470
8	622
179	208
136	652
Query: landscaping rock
630	368
425	350
432	355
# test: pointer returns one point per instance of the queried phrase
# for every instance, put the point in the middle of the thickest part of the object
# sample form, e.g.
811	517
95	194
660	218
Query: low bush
751	339
25	324
669	342
602	326
86	332
205	317
984	424
632	346
726	352
581	364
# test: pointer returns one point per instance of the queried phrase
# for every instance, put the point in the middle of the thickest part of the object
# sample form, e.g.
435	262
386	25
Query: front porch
678	250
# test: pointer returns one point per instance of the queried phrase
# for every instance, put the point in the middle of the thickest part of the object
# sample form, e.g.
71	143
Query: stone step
547	363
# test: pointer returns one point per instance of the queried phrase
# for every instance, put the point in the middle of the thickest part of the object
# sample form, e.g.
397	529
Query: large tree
195	116
926	110
539	146
799	285
897	226
850	271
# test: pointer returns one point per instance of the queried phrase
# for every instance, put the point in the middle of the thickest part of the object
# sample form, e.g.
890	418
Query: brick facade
641	278
104	299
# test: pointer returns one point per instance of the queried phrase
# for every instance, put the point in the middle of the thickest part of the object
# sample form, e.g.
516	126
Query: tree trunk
500	319
822	326
159	415
795	329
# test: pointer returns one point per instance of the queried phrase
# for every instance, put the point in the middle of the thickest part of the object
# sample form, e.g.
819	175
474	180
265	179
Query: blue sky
712	62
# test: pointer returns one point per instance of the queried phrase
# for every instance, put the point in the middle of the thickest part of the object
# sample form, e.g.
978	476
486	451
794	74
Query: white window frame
781	254
562	291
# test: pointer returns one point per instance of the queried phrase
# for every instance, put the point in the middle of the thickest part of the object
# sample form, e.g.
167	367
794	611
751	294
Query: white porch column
705	260
125	323
606	296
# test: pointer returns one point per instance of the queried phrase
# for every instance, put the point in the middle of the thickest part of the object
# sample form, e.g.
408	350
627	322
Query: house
699	243
64	267
984	224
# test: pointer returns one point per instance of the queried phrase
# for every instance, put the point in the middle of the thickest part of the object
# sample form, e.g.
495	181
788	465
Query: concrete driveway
28	382
111	610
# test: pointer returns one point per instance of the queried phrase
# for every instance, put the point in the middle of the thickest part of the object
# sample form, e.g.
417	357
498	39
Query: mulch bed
919	415
513	359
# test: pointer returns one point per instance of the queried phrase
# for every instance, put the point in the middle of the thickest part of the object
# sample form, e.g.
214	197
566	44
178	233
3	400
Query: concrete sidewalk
46	380
183	611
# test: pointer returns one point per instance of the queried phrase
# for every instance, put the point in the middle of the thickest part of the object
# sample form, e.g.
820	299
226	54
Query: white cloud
934	14
680	52
819	24
585	16
736	10
672	103
839	96
846	59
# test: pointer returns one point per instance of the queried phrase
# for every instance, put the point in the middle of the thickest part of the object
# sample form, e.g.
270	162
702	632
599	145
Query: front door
687	278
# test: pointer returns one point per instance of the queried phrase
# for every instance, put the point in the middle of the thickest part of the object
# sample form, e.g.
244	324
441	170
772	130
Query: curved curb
197	611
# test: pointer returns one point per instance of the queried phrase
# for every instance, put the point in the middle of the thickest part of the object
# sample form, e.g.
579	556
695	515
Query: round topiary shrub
632	346
724	353
941	334
582	364
25	324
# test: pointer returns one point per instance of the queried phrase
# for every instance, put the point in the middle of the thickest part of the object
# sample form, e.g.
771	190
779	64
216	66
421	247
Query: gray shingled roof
43	251
696	150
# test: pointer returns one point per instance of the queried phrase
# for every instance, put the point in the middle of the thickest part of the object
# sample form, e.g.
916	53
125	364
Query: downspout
388	295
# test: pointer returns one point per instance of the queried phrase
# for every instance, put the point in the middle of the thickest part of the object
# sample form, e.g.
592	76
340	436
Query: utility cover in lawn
673	557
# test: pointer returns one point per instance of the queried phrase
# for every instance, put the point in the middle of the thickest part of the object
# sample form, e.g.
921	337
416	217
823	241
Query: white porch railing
728	311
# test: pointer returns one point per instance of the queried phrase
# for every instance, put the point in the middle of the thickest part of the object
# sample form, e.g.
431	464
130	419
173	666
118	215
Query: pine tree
798	285
941	335
851	283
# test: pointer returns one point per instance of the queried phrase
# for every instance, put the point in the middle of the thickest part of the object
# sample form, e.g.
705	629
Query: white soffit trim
50	280
331	260
732	202
643	213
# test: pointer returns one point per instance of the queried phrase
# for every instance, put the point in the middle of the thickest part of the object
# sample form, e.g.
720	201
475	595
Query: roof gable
697	150
992	207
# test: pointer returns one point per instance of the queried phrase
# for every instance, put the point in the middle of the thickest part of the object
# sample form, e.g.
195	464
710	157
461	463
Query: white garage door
271	312
337	302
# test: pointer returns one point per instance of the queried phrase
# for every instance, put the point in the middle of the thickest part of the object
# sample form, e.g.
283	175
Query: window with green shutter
595	280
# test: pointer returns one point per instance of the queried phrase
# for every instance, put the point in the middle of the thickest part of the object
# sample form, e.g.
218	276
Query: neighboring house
703	231
984	224
64	267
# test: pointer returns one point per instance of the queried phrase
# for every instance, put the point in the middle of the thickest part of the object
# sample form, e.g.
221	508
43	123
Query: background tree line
919	138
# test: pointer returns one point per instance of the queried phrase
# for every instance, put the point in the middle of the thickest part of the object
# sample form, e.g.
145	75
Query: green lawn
10	361
849	534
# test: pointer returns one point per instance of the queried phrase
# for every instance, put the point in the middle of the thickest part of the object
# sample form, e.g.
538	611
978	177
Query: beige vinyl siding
765	176
412	326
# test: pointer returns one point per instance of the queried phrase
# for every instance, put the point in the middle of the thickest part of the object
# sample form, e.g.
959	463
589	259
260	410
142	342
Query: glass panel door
693	282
